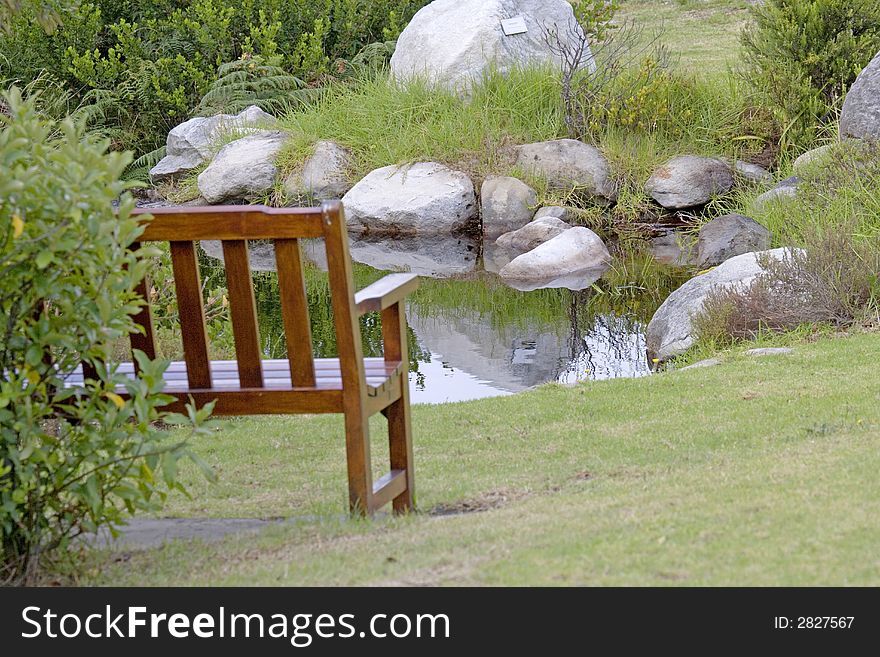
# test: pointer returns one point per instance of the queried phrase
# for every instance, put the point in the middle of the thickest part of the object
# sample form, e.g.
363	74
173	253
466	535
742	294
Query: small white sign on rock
515	25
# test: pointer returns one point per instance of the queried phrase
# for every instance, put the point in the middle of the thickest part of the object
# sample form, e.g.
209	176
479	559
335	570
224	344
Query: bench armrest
385	292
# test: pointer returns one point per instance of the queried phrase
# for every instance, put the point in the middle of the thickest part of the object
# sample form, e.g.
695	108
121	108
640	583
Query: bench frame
351	395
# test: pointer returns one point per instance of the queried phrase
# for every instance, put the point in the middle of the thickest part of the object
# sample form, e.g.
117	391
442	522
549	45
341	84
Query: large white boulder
860	116
419	199
243	169
194	142
573	259
452	43
671	330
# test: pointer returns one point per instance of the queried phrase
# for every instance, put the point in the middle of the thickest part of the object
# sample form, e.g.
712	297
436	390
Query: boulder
752	172
809	157
194	142
787	189
567	164
670	331
533	234
860	116
506	204
729	236
689	181
453	43
554	211
324	174
423	198
574	259
243	169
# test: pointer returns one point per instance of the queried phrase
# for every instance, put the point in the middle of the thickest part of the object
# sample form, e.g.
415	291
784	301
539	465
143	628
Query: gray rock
809	157
785	190
729	236
506	204
324	174
752	172
533	234
495	257
424	198
194	142
688	181
709	362
860	116
670	331
554	211
770	351
243	169
672	247
567	164
453	43
570	259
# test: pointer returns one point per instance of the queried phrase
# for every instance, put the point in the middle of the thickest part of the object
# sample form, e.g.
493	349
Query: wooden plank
237	403
295	312
146	341
388	488
348	339
385	292
243	309
394	336
188	286
236	222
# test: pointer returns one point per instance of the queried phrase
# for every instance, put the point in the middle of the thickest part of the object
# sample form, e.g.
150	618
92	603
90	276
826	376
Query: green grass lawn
701	35
755	472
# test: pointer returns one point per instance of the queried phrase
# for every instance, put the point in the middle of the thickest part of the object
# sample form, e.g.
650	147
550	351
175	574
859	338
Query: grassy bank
758	471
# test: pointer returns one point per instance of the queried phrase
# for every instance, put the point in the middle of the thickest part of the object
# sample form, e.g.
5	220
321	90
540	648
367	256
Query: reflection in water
471	335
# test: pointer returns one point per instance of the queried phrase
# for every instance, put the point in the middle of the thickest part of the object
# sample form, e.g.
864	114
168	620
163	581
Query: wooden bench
301	384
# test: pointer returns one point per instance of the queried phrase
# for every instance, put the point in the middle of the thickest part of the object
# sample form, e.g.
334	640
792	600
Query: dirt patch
487	502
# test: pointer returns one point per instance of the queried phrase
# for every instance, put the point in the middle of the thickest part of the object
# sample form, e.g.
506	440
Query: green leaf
44	259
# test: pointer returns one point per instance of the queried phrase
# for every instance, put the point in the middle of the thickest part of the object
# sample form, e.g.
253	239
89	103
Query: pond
470	335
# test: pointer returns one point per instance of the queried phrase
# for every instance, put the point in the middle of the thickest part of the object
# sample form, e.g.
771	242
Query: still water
471	335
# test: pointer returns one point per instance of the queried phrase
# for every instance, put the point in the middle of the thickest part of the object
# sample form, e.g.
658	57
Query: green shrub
803	55
834	280
71	459
841	190
146	66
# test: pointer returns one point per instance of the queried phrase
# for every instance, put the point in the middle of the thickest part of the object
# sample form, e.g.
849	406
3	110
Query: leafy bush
803	55
146	66
71	459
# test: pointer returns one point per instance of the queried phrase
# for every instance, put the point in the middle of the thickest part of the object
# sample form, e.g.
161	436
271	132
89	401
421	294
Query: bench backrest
234	226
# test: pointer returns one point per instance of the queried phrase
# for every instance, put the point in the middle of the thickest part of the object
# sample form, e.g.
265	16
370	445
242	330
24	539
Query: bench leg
394	336
400	444
360	476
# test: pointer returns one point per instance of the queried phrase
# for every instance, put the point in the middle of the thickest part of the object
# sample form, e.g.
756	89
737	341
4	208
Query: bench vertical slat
351	361
243	307
295	312
146	341
188	286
